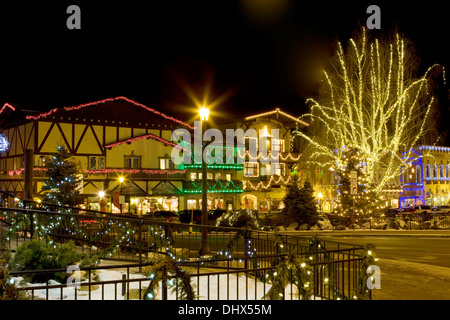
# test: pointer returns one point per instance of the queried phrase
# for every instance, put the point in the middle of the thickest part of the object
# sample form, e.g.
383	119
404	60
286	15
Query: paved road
426	250
414	266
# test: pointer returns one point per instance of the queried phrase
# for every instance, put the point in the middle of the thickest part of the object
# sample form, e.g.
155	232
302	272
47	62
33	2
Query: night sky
168	52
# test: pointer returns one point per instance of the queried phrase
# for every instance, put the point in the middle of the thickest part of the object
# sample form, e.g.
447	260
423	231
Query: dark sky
164	53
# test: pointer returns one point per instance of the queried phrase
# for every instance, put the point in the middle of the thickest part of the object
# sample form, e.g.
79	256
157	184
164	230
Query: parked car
195	215
422	209
441	209
163	215
188	215
392	212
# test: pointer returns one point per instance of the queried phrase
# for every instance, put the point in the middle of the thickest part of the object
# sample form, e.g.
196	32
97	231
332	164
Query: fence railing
242	255
333	279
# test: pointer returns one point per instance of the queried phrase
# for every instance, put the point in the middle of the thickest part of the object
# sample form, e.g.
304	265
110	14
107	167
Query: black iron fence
212	280
237	256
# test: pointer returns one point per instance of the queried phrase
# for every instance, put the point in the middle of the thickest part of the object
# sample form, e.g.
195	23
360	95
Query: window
435	172
209	176
217	176
418	175
428	172
193	176
228	176
42	160
251	144
165	163
132	162
278	169
278	145
96	163
441	172
251	169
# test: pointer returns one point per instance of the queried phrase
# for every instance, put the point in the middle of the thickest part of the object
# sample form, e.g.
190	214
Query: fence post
124	277
164	285
246	249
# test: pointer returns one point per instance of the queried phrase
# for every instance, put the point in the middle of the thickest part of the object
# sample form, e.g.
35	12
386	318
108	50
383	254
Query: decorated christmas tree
62	183
356	196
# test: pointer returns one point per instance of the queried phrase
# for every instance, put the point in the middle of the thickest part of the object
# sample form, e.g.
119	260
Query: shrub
8	290
37	255
239	219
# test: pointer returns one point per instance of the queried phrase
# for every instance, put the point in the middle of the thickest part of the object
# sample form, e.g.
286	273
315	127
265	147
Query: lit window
132	162
96	163
228	176
193	176
165	163
251	169
278	145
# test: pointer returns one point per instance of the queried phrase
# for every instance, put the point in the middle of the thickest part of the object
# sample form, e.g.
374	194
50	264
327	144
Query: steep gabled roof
279	115
113	110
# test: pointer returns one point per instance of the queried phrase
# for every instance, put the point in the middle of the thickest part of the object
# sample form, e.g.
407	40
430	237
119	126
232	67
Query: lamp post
204	248
101	195
320	201
121	179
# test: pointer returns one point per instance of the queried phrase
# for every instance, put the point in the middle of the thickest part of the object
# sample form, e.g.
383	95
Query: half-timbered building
122	148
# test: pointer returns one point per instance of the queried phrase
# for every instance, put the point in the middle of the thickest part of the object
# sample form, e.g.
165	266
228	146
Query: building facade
426	180
122	149
264	181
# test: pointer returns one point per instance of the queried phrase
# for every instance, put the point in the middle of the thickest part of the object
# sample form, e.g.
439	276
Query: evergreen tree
292	199
61	185
300	203
308	204
364	200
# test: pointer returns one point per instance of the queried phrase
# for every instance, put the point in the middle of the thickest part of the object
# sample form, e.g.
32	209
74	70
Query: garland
291	270
165	270
368	259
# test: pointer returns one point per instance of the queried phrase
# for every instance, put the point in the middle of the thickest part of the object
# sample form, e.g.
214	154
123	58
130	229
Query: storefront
215	202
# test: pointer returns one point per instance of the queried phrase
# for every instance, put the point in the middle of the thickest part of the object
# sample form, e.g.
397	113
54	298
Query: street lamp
204	114
121	180
204	248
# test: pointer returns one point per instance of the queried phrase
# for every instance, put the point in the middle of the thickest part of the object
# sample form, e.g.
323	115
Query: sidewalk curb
368	233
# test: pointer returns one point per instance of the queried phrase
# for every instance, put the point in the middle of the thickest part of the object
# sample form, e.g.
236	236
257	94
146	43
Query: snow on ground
221	287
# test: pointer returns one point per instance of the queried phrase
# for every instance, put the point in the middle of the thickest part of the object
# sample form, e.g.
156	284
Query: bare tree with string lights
371	98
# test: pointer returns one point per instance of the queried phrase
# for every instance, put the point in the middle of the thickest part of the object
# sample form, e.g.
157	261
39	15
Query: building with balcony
265	181
122	148
426	179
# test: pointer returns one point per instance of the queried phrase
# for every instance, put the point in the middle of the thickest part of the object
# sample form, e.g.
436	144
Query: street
414	266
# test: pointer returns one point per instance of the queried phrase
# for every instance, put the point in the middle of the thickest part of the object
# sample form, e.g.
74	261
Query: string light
371	102
7	105
52	111
104	171
277	111
250	186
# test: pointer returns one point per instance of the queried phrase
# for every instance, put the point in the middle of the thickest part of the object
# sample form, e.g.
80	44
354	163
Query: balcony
140	174
214	186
